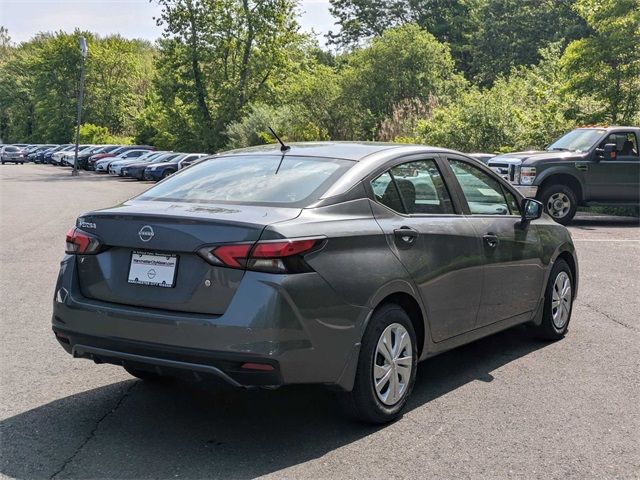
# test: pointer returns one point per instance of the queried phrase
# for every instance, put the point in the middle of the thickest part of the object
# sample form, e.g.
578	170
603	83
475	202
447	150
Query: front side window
483	193
275	180
626	144
414	188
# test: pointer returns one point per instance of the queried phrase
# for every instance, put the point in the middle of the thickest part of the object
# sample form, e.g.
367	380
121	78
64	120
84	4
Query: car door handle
406	235
491	240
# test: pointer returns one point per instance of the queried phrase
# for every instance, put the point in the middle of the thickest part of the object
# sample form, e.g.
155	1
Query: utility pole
84	50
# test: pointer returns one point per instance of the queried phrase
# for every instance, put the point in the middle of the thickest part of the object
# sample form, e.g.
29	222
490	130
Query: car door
513	269
616	179
437	245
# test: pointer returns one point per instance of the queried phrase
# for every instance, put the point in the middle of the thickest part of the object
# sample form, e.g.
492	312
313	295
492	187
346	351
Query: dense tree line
477	75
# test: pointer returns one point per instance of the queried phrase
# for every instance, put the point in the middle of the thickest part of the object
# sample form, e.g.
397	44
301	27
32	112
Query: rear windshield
257	180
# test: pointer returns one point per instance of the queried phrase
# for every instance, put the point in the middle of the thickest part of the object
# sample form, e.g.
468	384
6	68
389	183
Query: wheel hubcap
558	205
392	364
561	300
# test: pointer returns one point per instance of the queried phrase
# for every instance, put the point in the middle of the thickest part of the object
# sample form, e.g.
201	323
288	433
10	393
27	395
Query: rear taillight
82	243
281	256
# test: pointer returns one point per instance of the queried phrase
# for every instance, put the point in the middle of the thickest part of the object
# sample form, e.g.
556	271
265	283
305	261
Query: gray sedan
342	264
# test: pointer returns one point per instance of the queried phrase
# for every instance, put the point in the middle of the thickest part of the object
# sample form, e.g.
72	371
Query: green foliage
39	84
404	63
522	111
95	134
510	33
604	67
482	75
217	57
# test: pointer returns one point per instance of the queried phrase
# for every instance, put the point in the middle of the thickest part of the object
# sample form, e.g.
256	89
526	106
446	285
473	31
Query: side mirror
609	152
531	209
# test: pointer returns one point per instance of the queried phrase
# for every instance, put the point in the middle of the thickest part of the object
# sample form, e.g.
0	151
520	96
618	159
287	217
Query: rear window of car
11	149
255	180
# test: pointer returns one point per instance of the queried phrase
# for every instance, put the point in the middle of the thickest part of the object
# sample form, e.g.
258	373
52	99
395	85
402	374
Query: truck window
626	145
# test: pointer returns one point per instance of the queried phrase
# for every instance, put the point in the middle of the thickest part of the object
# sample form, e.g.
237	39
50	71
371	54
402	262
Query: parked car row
142	162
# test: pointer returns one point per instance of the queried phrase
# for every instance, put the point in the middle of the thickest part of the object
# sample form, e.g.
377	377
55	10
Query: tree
524	110
220	55
510	33
404	63
451	21
605	66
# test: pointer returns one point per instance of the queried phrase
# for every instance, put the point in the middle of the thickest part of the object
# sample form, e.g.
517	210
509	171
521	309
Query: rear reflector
257	366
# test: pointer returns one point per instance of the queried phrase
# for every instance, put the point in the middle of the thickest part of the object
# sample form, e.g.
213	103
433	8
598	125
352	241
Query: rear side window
414	188
289	181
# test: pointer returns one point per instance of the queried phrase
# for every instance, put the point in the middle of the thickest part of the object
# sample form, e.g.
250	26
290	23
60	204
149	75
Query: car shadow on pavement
133	429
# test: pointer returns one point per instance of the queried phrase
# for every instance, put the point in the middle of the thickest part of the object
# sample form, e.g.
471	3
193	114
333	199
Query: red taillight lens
81	242
233	255
282	249
282	256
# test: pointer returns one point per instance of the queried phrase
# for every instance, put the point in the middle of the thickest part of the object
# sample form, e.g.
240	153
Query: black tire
167	173
363	402
548	328
143	374
559	191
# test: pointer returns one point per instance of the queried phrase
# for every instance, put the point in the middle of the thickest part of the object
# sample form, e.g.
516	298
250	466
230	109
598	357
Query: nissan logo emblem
146	233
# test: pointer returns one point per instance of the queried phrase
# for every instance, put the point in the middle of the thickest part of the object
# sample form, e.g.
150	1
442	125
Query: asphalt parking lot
506	406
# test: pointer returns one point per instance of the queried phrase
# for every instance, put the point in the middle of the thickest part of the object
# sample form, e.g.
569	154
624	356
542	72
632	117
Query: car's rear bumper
296	324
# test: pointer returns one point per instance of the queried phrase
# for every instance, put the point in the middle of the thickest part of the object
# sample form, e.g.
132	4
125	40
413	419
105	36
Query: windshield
256	180
579	140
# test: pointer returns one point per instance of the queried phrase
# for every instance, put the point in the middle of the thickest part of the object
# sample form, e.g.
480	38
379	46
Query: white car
102	166
69	157
56	158
190	159
115	168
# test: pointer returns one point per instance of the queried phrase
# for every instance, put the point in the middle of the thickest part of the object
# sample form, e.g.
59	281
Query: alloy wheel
392	364
561	300
558	205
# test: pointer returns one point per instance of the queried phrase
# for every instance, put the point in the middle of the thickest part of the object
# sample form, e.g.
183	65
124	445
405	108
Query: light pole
84	50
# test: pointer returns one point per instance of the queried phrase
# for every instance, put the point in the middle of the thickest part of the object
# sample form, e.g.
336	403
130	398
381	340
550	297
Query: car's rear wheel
167	173
143	374
558	303
386	367
560	202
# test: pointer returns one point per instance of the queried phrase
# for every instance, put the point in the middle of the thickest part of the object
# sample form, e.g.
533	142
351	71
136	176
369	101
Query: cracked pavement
506	406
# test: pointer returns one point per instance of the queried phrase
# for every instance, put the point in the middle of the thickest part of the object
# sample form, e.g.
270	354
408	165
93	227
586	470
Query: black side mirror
609	152
531	209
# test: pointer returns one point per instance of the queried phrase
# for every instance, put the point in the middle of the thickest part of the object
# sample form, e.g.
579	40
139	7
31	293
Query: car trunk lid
173	233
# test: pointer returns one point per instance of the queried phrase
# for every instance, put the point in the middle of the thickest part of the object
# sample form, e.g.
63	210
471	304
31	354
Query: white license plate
155	269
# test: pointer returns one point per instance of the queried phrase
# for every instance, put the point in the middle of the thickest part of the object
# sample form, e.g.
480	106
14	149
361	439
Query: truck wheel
559	202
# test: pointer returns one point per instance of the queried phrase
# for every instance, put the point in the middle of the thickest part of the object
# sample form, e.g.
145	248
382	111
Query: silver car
12	154
342	264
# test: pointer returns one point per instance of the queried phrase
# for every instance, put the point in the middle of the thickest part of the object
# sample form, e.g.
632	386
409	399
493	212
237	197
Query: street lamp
84	50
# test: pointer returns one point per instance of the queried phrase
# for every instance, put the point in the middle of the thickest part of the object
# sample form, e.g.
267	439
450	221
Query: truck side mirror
609	152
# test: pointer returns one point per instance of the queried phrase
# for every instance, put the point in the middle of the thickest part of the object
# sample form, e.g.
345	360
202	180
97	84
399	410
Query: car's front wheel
558	303
560	202
386	367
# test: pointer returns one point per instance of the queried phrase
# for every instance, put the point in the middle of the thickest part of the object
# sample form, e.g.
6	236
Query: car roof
356	151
